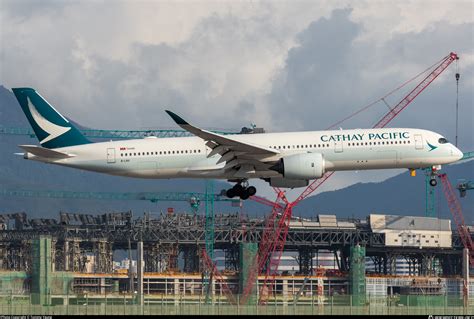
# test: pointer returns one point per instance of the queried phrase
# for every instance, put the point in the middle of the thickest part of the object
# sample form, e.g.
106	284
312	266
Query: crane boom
111	134
150	196
211	266
387	118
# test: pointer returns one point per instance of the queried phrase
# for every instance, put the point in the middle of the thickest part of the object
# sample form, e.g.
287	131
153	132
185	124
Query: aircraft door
418	142
338	147
111	155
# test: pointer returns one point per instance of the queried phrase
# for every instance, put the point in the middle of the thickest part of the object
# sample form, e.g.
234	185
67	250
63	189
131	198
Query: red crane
455	208
274	234
211	266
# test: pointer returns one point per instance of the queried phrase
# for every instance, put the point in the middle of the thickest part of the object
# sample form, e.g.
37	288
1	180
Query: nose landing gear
434	174
241	190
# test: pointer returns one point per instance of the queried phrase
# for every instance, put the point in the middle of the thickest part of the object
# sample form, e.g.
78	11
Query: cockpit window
442	140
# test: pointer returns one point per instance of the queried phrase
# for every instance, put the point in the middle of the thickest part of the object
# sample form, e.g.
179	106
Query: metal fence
179	305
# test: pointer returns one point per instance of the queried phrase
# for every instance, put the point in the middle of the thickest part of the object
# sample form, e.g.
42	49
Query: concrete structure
411	231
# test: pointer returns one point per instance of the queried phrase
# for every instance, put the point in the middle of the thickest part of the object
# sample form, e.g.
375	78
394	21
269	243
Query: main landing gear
241	190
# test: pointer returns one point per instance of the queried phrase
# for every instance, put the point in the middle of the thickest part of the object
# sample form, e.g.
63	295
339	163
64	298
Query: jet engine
301	166
287	183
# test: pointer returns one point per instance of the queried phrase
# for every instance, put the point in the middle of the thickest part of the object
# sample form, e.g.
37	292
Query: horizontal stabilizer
45	152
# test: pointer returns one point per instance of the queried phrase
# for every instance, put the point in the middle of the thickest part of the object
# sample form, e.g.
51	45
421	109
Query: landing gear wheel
245	195
231	193
238	189
433	182
251	190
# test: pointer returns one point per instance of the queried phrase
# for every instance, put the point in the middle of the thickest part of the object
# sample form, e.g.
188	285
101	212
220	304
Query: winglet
176	118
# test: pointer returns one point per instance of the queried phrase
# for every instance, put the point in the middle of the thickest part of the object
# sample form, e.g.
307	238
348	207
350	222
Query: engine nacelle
287	183
301	166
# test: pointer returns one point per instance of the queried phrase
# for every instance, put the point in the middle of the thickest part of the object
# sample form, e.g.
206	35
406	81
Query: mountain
399	195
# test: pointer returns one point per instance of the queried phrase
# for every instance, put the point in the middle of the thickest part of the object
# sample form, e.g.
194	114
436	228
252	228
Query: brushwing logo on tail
52	129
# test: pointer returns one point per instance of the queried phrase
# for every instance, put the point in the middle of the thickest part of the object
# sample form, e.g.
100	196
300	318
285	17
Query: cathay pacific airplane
282	159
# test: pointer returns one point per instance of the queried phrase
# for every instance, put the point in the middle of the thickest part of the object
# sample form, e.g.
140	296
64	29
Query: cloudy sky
283	65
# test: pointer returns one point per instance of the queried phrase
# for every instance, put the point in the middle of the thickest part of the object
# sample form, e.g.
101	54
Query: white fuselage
186	157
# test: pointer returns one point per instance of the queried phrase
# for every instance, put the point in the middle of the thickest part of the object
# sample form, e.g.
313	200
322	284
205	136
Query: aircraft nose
457	153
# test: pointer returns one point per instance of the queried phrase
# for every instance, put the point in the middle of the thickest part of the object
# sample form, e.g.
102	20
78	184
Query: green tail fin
51	128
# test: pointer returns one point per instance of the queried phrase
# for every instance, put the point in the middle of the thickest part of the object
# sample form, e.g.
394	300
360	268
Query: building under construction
68	260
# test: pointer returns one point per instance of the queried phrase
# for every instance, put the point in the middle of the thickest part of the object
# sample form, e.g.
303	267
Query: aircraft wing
45	152
235	153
